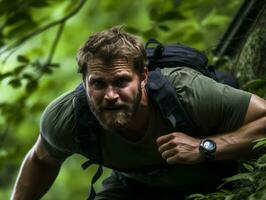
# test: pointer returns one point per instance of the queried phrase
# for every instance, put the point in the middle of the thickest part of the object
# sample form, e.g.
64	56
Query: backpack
159	89
173	55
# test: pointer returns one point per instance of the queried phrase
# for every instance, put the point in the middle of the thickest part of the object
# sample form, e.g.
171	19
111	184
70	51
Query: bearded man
150	159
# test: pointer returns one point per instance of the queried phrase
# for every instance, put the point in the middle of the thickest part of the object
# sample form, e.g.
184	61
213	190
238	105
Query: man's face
114	93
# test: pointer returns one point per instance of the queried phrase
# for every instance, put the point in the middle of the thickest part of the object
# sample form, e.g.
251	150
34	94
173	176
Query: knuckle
160	149
174	134
173	143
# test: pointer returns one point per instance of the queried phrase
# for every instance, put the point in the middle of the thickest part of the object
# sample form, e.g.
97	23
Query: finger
164	139
166	146
172	160
169	153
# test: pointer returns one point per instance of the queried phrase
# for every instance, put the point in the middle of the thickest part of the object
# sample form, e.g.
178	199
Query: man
134	134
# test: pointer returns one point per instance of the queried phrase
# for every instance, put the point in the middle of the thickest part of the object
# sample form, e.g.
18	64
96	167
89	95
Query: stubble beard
119	120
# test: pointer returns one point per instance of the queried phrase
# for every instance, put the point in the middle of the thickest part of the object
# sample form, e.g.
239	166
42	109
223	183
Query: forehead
98	67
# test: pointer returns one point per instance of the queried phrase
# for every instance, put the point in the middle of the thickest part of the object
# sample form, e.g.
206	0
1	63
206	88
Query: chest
121	153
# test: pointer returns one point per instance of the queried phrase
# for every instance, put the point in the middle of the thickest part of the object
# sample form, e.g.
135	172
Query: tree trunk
250	63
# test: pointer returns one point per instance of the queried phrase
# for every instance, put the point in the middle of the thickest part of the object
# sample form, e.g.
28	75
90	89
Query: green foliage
256	86
249	66
38	42
250	185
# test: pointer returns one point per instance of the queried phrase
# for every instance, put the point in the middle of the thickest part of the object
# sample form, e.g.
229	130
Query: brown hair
111	44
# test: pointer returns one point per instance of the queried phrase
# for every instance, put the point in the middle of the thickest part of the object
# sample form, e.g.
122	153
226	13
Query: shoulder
189	81
182	76
211	104
179	71
59	108
58	123
186	80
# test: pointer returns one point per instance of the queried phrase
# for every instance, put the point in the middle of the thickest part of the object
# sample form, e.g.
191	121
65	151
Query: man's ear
84	80
144	77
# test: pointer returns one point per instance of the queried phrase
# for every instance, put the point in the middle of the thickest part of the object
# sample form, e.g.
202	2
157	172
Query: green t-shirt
214	107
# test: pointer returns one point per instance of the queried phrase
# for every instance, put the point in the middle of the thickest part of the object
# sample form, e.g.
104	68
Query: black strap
88	133
88	129
164	96
158	50
94	179
152	41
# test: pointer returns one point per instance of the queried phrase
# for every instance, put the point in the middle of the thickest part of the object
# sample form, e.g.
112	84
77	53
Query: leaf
3	153
27	76
239	177
150	33
226	191
214	19
248	167
20	29
37	64
132	30
258	195
5	75
2	43
54	65
23	59
261	162
164	27
2	105
261	165
31	86
170	15
196	196
47	70
19	69
260	143
230	197
39	3
15	83
154	13
255	84
17	17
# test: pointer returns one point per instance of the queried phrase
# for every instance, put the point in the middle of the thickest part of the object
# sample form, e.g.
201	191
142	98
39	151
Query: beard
114	117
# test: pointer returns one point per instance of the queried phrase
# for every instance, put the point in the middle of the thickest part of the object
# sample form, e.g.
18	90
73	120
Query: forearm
238	143
35	178
178	147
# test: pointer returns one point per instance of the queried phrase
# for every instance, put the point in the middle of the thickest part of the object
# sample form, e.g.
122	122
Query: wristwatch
208	148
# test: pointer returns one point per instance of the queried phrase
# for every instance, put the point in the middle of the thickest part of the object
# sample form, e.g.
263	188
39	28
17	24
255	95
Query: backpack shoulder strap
164	96
88	134
88	129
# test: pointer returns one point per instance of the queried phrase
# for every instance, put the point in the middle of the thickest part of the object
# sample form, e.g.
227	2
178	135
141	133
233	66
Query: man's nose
111	94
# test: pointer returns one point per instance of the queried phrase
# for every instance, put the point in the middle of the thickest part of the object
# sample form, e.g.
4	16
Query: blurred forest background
38	44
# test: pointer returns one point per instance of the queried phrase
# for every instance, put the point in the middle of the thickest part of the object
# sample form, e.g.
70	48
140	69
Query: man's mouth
112	108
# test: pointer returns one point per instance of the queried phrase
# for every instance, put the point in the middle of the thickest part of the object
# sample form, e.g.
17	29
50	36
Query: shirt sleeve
57	126
213	106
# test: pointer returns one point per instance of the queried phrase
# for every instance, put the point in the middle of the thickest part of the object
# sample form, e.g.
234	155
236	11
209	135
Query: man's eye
121	82
98	84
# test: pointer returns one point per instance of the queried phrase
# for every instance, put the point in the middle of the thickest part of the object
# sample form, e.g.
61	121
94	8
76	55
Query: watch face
209	145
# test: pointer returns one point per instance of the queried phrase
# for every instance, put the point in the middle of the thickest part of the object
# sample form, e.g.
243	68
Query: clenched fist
179	148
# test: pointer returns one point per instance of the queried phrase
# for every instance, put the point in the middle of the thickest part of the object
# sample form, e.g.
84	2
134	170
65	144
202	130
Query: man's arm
37	173
237	144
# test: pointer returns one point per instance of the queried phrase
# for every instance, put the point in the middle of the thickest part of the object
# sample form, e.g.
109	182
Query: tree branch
52	51
41	29
55	42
